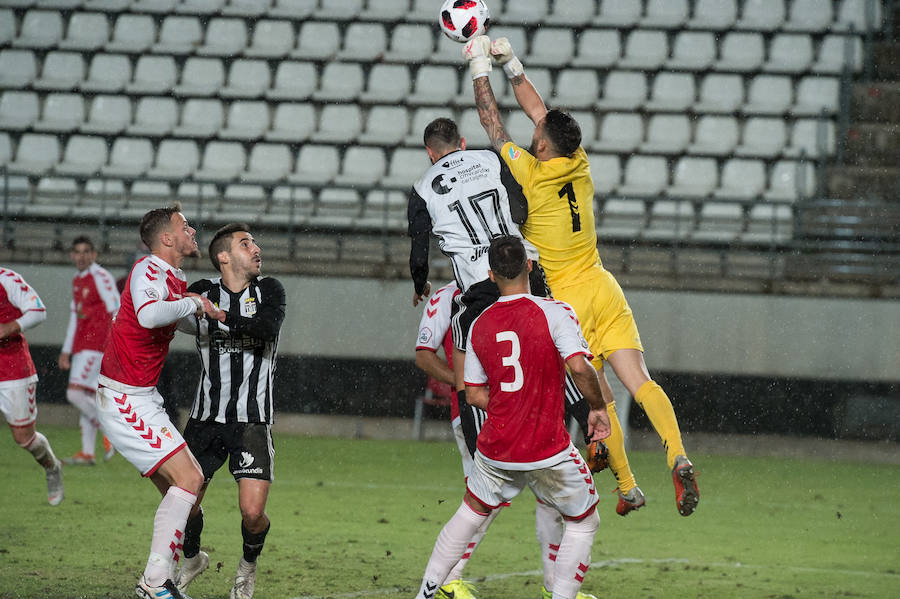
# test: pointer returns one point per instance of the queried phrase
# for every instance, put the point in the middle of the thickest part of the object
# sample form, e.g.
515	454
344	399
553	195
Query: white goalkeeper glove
477	53
502	52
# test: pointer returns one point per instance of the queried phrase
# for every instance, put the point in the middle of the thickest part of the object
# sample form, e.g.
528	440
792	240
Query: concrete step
876	102
873	144
886	60
879	182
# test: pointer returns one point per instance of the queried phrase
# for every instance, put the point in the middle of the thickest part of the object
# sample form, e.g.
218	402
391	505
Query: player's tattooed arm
489	113
528	98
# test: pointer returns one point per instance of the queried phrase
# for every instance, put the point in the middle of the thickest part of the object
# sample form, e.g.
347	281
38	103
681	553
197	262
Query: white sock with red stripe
449	547
548	524
456	572
574	556
168	533
40	448
86	403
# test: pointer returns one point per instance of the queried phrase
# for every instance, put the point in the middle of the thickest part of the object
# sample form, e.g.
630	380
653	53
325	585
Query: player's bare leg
38	446
252	496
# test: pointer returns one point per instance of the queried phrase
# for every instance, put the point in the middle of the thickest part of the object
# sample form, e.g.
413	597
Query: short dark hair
83	239
507	257
221	241
155	221
441	132
563	131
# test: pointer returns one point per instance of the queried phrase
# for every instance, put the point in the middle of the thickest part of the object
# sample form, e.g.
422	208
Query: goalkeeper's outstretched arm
526	94
477	54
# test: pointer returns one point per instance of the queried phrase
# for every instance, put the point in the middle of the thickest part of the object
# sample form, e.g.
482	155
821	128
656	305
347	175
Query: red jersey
134	356
434	332
95	300
18	301
518	347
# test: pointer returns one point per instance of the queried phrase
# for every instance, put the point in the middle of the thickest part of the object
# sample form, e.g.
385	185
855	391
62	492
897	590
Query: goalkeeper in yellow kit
555	175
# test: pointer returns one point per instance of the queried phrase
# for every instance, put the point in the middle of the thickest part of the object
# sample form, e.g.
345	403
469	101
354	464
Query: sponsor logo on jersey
452	162
440	184
246	459
248	308
514	153
223	343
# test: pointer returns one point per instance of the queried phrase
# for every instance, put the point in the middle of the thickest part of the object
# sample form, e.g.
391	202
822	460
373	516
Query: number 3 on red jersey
512	360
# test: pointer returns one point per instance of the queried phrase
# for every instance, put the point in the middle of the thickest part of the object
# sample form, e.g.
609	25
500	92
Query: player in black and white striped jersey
232	413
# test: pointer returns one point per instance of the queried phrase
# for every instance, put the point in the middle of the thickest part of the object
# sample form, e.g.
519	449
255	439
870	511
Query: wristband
513	67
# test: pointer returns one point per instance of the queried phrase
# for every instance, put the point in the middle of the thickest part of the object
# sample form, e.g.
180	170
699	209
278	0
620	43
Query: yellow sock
659	410
618	460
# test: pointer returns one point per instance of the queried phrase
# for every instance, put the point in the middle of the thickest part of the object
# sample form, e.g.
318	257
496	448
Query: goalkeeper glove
477	54
597	456
503	54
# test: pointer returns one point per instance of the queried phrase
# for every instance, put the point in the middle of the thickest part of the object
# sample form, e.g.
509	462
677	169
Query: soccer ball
461	20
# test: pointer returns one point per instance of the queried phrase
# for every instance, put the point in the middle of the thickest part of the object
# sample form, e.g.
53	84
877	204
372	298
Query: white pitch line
607	564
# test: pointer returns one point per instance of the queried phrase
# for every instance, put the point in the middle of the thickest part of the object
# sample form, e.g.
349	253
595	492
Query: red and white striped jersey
434	330
95	300
20	302
135	354
518	347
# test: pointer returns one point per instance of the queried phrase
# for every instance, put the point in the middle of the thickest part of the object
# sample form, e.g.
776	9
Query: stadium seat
598	48
199	7
645	176
246	121
551	47
768	223
338	123
410	43
515	12
62	113
446	51
293	9
317	41
761	15
154	117
363	42
132	34
470	125
201	77
152	75
837	52
224	37
420	119
8	26
292	122
387	11
811	138
620	132
623	90
790	180
520	128
587	120
340	82
222	162
385	125
790	53
422	11
5	149
35	155
817	95
694	178
621	218
645	50
316	165
62	71
809	16
540	77
666	134
117	6
384	209
293	81
346	10
714	136
665	14
741	179
614	13
858	16
200	118
87	31
606	172
720	94
178	35
361	166
576	88
406	166
108	115
670	219
671	92
740	51
83	156
768	95
387	83
176	159
129	158
247	78
572	13
692	51
714	15
434	85
18	68
763	137
40	29
107	73
18	110
336	207
719	222
247	9
271	39
268	164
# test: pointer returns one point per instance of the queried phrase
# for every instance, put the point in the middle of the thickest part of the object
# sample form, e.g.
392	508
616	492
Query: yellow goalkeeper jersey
560	221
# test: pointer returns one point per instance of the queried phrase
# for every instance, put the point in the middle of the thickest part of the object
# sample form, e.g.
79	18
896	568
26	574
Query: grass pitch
357	519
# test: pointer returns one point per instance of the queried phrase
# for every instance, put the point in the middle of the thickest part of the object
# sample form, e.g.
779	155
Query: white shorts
467	463
84	369
138	427
17	402
566	486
